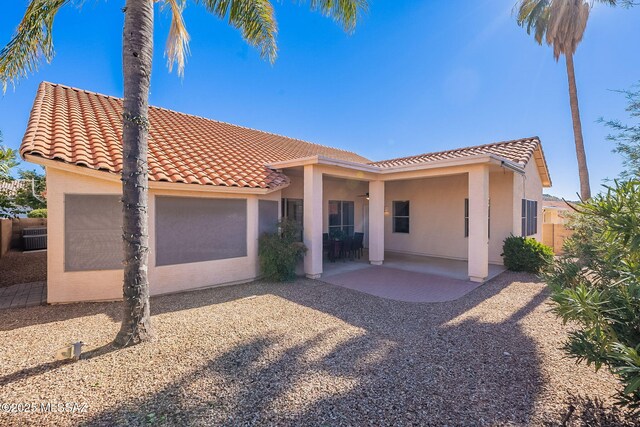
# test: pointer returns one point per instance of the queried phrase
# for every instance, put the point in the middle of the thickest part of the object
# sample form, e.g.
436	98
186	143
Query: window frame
529	217
396	216
342	227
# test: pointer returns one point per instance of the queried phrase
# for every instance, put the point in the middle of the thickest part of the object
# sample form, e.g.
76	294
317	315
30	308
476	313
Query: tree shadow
413	364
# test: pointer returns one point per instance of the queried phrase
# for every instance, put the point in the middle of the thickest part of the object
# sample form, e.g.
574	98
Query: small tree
596	286
31	195
281	251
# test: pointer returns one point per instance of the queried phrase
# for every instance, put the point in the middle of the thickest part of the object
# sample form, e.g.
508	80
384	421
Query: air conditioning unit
32	231
34	238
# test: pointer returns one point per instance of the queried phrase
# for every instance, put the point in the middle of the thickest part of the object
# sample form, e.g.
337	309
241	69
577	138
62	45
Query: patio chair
358	244
347	249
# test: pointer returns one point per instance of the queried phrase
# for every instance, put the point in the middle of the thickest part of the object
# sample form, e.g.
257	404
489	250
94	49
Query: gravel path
306	353
23	267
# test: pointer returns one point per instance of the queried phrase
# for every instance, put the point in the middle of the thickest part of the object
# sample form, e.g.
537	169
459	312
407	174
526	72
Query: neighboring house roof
85	129
519	151
11	188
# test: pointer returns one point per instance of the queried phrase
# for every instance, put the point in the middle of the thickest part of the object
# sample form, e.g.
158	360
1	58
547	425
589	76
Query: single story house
215	187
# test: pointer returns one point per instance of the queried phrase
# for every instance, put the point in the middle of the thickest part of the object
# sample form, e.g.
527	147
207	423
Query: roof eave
155	185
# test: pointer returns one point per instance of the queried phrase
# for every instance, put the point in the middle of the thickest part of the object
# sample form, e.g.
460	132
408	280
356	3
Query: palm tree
256	21
561	24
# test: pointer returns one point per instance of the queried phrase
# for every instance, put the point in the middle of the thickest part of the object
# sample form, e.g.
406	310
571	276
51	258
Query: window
401	216
529	217
267	216
293	209
192	230
341	217
466	218
92	232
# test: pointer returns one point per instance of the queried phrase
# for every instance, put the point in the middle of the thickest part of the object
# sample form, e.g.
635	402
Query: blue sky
416	76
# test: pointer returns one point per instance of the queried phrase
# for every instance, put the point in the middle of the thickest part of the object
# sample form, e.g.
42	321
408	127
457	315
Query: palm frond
32	40
560	23
254	18
567	22
177	47
344	12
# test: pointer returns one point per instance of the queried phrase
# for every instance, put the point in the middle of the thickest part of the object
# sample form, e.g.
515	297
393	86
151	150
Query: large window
466	218
529	217
401	216
199	229
92	232
341	217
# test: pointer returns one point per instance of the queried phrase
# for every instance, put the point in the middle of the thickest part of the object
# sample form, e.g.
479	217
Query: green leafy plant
596	286
526	254
279	252
37	213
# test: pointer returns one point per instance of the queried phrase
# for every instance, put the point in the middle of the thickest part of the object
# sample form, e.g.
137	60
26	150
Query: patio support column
376	222
478	223
312	232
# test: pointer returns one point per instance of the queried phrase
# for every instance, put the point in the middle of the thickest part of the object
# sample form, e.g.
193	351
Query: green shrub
37	213
526	254
280	252
596	285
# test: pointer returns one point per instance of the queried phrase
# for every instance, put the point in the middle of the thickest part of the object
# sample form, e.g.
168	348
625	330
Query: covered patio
408	278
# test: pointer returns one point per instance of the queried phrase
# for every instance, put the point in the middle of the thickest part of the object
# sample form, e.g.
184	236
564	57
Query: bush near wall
526	254
37	213
280	252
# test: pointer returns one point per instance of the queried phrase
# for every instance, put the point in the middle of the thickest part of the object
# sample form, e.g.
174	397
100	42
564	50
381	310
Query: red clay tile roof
85	129
11	188
518	151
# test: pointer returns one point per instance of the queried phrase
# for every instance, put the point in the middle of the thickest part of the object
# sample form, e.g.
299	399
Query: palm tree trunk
583	171
137	53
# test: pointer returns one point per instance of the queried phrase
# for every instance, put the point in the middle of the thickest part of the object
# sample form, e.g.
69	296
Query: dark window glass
267	216
401	216
529	217
341	217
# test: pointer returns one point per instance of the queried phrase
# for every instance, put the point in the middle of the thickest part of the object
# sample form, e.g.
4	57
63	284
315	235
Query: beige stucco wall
437	215
107	284
527	186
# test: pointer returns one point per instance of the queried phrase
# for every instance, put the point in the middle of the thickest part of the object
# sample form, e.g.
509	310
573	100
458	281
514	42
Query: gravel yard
306	353
23	267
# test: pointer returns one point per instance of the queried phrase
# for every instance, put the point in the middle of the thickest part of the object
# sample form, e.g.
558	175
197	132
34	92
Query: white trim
463	161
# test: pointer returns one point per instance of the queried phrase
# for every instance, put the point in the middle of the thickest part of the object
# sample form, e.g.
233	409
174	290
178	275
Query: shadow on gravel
584	411
415	364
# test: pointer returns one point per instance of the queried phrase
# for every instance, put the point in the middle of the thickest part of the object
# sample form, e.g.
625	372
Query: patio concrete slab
23	295
401	284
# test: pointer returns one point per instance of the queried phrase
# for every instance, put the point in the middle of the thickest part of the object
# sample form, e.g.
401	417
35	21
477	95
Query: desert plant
596	286
526	254
279	252
37	213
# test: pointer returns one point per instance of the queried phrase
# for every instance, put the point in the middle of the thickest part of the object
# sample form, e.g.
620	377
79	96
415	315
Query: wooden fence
553	235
